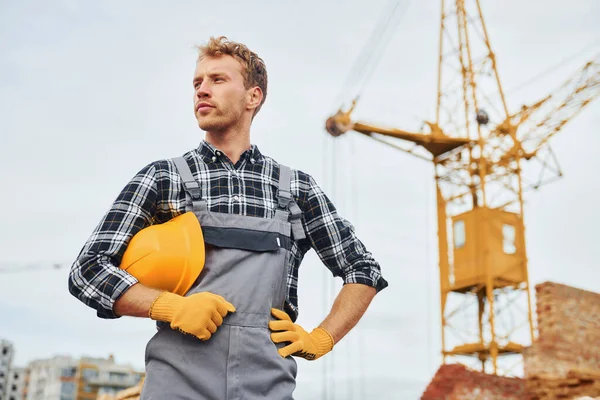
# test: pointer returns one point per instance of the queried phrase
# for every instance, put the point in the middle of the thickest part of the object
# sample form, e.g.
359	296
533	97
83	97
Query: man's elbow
74	283
368	277
79	286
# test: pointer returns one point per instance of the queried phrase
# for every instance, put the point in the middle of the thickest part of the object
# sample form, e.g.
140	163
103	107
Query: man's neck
233	145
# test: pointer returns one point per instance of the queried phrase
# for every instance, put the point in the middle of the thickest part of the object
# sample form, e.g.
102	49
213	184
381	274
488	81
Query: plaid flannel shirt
155	195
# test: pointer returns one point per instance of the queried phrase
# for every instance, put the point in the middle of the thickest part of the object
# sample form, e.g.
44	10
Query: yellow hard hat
168	256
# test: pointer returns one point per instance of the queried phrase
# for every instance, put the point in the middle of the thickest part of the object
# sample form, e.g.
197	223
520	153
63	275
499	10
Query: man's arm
136	301
199	315
98	281
349	306
95	277
337	245
335	241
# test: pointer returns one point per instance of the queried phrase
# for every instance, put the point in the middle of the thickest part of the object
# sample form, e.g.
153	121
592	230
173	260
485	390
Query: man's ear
255	96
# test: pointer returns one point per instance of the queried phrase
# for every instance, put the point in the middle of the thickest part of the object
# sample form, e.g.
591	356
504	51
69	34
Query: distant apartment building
6	356
51	379
66	378
101	376
63	377
16	384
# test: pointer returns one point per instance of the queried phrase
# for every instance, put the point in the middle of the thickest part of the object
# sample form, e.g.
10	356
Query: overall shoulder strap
193	192
287	208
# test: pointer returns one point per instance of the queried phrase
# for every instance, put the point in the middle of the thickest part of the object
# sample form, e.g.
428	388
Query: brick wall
564	361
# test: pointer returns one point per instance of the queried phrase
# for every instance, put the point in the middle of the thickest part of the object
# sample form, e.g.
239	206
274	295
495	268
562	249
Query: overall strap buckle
193	191
286	203
284	198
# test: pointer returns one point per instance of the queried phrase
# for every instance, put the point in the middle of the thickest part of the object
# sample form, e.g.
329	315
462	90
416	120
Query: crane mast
478	150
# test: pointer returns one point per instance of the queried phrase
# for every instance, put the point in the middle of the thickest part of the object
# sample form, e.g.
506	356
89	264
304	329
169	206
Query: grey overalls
246	264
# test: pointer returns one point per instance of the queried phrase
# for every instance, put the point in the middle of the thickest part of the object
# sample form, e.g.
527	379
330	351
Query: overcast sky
92	91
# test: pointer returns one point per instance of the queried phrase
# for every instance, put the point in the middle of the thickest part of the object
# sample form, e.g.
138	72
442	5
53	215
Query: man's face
220	97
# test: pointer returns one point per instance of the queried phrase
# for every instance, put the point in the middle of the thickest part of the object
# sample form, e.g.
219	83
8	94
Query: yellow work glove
198	314
302	344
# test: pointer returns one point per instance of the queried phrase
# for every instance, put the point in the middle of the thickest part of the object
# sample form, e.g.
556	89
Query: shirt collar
208	152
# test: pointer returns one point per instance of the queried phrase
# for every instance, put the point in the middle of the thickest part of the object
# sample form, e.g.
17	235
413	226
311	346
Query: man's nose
203	90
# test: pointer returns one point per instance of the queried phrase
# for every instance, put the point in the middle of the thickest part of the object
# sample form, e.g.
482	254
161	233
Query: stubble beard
221	121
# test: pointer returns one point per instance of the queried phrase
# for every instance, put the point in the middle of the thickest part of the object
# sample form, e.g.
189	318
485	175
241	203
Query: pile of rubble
563	363
456	382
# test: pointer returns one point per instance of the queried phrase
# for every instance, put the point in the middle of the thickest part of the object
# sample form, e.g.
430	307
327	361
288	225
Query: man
233	335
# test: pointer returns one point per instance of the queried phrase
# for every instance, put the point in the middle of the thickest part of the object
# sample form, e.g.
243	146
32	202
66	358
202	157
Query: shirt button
218	153
236	198
214	158
252	160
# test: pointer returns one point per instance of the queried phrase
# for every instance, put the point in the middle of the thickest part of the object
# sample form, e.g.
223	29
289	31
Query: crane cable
352	210
553	67
371	52
355	83
10	268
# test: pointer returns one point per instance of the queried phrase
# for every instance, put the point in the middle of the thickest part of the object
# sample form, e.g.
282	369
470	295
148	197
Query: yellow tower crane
480	151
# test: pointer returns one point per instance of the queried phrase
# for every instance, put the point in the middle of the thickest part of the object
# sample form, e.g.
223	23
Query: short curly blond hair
254	69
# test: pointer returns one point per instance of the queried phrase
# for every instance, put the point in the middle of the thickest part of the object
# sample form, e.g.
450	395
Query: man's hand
302	344
199	314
